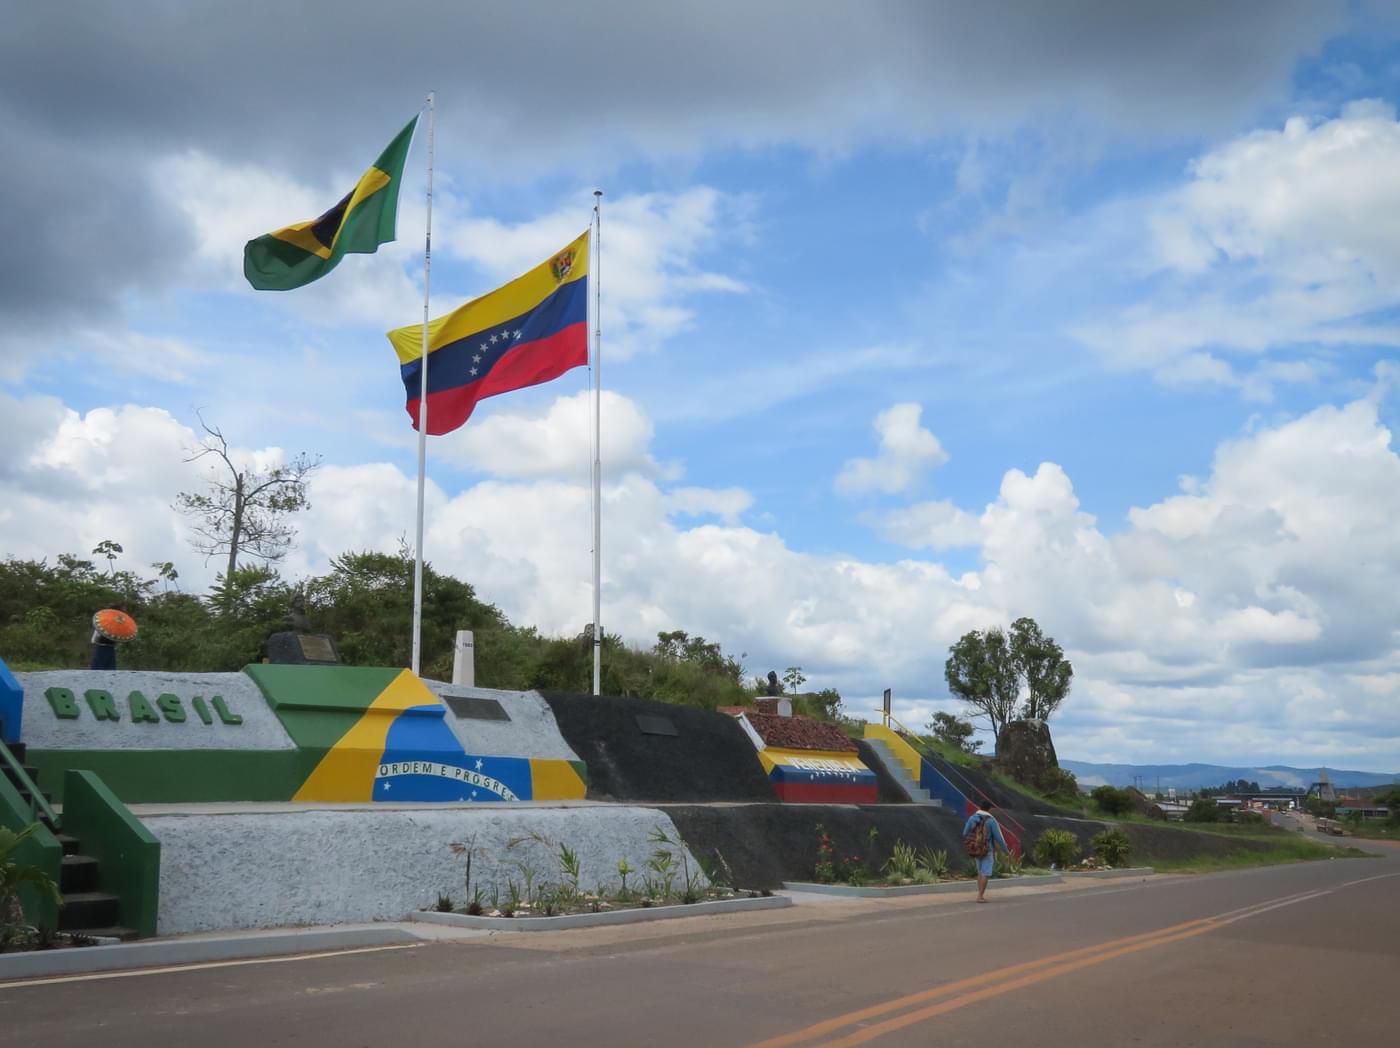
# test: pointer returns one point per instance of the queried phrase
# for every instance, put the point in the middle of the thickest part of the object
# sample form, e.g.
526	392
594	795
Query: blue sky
916	320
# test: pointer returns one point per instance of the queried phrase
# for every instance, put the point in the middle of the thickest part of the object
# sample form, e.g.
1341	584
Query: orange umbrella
114	625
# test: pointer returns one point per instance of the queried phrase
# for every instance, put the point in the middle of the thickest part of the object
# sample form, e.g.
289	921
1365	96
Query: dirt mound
639	750
800	733
766	844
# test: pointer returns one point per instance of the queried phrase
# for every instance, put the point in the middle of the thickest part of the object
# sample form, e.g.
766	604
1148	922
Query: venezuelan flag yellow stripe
511	300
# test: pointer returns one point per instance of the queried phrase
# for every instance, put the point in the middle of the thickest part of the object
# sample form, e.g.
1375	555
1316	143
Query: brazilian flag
364	219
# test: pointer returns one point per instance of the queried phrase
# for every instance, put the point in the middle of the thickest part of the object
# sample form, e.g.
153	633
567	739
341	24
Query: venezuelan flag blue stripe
471	358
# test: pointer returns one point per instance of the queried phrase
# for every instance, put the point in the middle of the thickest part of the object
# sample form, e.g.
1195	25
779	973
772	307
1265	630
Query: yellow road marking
201	966
1004	980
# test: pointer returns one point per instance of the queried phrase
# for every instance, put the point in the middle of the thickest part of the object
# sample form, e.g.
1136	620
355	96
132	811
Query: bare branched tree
245	511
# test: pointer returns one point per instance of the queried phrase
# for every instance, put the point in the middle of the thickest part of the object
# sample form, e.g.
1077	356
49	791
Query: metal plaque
651	725
316	648
476	709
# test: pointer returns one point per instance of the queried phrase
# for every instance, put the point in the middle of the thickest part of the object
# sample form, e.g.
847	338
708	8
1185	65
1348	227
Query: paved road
1295	955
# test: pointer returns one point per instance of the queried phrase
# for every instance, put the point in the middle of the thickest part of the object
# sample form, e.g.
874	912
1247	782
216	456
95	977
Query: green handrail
38	805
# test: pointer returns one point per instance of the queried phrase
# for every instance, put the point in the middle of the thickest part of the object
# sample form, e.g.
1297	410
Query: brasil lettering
475	779
140	710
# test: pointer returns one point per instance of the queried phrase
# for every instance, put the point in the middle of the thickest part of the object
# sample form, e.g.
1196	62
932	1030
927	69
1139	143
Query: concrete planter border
914	889
590	920
1124	871
75	960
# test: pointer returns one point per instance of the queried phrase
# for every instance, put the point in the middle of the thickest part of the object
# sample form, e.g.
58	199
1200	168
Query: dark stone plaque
651	725
476	709
313	649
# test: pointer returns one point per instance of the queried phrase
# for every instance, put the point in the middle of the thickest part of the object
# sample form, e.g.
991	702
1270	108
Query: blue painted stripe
450	365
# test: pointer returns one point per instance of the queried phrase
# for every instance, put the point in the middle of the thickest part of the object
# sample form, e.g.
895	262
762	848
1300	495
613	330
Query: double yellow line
954	995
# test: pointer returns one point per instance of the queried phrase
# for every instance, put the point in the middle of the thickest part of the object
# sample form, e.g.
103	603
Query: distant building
1363	806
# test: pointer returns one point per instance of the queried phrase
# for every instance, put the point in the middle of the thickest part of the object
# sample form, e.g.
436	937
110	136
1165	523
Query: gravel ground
709	759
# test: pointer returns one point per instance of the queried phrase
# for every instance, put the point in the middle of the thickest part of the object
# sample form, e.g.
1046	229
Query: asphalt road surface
1294	955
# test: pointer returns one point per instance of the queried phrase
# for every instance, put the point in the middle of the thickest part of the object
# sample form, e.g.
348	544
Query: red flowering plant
827	865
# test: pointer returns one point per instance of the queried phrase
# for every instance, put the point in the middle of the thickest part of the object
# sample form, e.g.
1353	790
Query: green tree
246	510
366	603
981	672
991	670
954	731
793	677
1203	809
109	549
1042	667
1112	800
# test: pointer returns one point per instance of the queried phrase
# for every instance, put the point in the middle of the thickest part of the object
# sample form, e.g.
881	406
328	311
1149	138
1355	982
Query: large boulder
1026	753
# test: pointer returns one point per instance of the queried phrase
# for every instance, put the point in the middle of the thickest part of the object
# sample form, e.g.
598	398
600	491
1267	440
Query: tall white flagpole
597	440
423	409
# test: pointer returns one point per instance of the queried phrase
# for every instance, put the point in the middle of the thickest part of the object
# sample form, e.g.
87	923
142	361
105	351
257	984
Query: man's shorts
986	863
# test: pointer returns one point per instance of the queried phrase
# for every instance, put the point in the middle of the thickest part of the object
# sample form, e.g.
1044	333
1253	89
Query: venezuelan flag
296	255
530	331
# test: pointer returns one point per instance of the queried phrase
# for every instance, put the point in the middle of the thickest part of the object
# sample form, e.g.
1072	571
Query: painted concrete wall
531	729
268	868
241	720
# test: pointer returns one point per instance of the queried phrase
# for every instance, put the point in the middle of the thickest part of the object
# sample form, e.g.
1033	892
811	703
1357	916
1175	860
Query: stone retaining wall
327	866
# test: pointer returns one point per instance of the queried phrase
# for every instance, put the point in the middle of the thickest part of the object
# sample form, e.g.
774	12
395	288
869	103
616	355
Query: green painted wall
161	776
319	704
127	853
41	850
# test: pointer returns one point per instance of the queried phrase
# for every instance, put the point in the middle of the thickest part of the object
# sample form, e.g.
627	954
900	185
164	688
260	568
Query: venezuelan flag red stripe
526	365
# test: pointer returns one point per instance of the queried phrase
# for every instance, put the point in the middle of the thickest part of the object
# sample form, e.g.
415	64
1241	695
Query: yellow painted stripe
347	771
903	752
973	989
555	780
198	966
511	300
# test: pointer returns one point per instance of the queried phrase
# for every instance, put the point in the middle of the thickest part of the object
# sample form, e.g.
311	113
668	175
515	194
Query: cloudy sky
917	318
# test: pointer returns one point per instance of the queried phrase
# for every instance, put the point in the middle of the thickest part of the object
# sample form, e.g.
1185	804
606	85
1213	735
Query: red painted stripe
826	793
527	365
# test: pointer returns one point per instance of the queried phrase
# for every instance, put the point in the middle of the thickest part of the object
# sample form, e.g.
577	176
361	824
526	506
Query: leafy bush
1203	809
1056	848
1059	784
1112	846
1112	800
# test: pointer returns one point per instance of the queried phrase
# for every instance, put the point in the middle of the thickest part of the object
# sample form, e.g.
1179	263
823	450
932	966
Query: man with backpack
982	838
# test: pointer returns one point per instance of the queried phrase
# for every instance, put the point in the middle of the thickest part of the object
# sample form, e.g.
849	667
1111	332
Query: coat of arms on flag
562	264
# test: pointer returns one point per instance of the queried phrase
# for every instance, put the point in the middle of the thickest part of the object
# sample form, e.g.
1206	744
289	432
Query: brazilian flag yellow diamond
364	218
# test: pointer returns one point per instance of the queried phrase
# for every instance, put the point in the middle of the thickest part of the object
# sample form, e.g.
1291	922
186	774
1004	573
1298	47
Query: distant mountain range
1195	776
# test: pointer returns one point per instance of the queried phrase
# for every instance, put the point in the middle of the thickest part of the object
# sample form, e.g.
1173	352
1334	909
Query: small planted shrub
1112	846
825	870
936	863
1057	848
903	863
444	903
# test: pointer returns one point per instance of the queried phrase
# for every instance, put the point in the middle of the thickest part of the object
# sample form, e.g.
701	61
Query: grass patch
1293	851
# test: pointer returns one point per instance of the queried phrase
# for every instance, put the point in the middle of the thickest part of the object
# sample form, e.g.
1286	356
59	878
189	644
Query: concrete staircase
901	775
